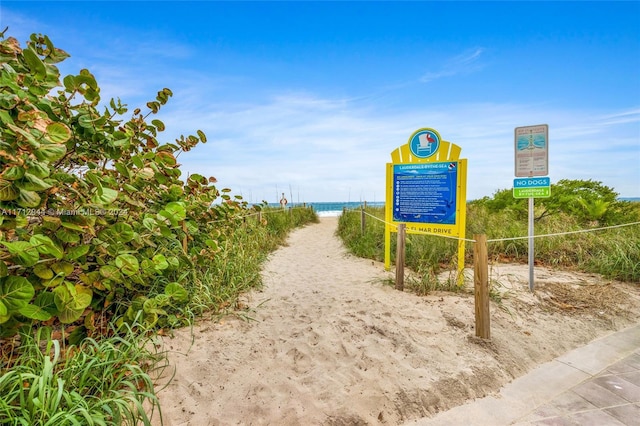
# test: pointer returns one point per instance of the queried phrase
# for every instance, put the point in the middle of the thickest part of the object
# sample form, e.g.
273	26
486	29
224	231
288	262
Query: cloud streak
465	63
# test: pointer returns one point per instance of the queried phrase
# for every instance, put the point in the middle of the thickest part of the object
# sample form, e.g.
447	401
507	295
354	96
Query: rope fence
480	263
494	240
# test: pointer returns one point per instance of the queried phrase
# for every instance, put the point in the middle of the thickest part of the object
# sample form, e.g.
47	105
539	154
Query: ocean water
334	208
329	209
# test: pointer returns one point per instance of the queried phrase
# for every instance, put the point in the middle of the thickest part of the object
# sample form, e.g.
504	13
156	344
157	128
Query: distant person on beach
283	201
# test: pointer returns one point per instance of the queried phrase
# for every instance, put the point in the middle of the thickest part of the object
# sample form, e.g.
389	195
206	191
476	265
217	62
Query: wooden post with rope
481	286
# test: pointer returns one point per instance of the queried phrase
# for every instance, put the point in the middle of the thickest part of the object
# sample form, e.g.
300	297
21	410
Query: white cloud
464	63
332	149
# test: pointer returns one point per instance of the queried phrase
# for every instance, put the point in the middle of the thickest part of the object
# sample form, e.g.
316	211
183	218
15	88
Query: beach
328	341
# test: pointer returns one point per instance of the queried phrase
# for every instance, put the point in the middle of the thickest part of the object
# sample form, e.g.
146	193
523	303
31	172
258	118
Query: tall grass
106	382
109	380
236	268
613	253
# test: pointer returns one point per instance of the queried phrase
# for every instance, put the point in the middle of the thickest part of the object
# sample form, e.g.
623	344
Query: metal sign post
531	159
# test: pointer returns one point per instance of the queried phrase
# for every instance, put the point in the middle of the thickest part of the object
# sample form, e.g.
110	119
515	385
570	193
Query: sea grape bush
94	218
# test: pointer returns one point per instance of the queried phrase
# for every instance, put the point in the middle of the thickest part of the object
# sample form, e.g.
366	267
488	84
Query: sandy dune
331	343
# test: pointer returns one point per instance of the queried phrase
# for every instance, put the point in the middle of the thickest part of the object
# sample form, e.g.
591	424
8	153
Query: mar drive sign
426	190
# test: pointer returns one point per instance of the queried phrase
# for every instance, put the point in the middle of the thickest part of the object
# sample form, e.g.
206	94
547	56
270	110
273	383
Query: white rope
506	239
563	233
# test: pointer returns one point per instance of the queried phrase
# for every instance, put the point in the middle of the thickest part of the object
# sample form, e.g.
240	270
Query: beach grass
111	378
614	253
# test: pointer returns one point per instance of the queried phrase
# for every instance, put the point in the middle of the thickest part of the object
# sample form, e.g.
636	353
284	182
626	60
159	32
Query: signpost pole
531	256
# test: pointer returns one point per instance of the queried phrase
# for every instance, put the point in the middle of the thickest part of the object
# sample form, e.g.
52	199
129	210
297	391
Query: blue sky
310	98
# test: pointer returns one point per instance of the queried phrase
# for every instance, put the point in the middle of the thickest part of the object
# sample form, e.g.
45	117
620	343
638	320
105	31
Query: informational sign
426	190
532	151
539	187
425	193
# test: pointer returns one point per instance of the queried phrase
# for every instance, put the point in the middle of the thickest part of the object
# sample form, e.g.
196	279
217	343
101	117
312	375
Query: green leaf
150	306
71	301
50	152
35	64
177	210
124	232
160	262
159	125
166	158
85	121
13	173
74	253
108	196
153	106
4	271
110	272
202	136
46	301
15	292
28	199
8	101
123	170
63	268
45	245
149	223
85	77
212	244
43	271
30	182
26	254
38	169
69	83
137	161
8	192
91	177
128	264
67	236
174	262
58	132
72	226
176	292
53	282
35	312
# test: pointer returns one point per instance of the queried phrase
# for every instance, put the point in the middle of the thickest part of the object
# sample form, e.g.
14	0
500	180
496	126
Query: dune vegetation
588	210
104	244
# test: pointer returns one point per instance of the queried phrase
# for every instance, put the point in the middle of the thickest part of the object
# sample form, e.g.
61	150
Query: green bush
614	253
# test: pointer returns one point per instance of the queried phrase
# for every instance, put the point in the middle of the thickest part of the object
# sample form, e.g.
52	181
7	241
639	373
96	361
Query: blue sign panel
535	182
425	193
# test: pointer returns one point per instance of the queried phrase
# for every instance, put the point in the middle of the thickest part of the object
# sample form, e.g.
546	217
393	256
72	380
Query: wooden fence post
185	238
481	286
400	247
362	220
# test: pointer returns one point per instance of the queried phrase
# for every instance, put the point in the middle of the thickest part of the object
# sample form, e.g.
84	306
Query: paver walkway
595	385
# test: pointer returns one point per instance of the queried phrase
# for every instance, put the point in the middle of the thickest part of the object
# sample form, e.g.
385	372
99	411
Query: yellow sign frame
406	155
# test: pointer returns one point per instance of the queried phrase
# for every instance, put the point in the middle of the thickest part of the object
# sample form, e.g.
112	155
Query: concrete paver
597	384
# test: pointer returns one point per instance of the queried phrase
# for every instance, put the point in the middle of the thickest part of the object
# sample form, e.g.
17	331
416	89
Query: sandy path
331	344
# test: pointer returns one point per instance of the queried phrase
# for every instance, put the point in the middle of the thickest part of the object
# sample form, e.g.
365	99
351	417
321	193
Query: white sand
331	344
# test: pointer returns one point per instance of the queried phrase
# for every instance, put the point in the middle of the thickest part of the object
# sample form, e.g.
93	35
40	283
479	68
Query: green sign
539	192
